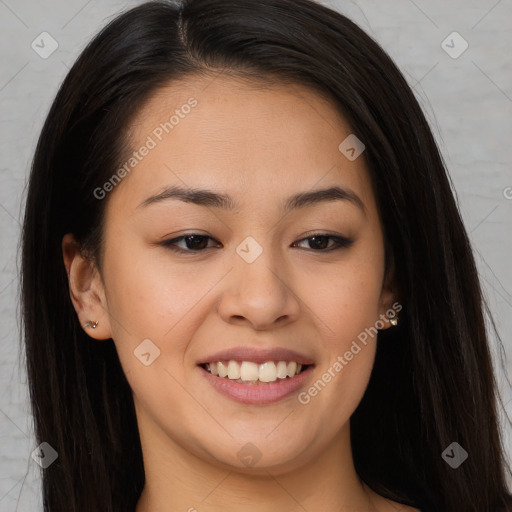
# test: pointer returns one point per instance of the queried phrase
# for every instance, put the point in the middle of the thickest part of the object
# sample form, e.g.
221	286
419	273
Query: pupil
316	238
196	241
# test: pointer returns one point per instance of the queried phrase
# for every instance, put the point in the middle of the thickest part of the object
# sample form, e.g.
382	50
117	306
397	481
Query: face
257	276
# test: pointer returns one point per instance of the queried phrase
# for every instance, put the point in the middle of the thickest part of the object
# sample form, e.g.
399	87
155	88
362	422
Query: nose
259	293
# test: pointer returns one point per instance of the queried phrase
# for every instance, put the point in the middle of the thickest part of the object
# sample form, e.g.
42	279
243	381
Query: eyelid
169	244
342	242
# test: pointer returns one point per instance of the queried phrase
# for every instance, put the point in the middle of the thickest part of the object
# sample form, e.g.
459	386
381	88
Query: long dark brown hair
433	381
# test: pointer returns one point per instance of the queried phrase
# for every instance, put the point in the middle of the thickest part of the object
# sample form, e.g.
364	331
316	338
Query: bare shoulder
398	507
386	505
382	504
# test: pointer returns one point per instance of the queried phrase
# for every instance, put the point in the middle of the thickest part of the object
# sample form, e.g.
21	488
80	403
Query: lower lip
257	394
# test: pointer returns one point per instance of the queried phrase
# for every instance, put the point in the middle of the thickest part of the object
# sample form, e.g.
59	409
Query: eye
318	242
195	243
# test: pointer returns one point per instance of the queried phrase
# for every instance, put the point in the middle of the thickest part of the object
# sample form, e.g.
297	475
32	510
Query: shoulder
382	504
393	506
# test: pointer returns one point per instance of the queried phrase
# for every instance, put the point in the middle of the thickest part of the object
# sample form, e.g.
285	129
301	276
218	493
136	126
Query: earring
91	324
394	320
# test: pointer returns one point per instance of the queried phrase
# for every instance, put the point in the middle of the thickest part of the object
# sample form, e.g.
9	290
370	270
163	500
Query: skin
260	145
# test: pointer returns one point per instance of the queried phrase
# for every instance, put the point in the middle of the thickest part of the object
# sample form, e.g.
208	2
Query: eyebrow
209	198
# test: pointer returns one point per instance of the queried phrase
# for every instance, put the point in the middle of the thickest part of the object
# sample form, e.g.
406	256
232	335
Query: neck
178	480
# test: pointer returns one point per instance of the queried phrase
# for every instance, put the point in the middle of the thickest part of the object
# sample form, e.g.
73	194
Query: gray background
468	101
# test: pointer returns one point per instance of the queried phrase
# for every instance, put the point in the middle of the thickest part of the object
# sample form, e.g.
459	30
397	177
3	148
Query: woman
228	201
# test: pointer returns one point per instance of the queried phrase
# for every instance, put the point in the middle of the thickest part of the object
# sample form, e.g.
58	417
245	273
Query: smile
250	383
248	372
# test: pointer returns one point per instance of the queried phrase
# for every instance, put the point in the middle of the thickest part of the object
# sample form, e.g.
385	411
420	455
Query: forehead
253	141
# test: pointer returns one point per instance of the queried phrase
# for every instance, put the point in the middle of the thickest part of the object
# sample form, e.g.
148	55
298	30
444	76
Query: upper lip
257	355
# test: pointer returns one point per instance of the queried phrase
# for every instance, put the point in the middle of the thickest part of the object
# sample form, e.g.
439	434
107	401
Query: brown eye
320	242
193	243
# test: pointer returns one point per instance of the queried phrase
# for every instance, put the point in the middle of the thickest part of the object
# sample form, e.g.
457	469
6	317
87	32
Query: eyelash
342	242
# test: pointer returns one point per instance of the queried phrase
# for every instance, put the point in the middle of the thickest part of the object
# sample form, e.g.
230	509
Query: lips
258	393
258	356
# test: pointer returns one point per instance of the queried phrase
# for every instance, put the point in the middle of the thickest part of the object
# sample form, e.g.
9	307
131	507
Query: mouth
249	383
251	373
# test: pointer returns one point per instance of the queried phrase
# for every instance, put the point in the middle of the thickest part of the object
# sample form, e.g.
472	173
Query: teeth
213	368
268	372
282	370
248	371
292	368
223	371
233	370
251	372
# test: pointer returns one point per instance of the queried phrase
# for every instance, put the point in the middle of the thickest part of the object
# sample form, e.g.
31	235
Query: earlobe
389	303
86	290
389	309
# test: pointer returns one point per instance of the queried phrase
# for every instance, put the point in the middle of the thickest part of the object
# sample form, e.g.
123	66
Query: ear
86	290
389	305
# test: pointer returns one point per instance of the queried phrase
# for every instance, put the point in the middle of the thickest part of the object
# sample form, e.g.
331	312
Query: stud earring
91	324
394	320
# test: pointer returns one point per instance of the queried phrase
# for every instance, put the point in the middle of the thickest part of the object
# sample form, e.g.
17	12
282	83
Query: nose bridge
260	266
258	291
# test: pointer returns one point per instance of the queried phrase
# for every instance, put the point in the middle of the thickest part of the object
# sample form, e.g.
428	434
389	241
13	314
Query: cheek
150	298
347	310
346	302
346	297
152	311
147	295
